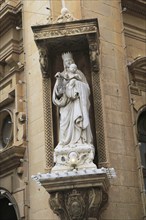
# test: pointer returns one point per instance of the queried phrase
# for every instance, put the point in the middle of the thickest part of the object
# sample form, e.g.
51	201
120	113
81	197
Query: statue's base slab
75	156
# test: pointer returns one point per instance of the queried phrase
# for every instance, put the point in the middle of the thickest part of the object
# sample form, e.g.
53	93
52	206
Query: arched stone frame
137	85
140	111
4	193
137	70
141	138
3	114
51	36
10	154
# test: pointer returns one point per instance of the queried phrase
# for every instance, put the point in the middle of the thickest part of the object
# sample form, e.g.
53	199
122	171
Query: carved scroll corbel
77	204
43	59
93	52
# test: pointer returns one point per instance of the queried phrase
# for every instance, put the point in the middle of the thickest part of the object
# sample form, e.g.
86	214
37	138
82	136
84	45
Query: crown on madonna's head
67	55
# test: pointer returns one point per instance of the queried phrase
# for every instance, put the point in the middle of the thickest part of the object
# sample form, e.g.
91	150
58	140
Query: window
141	127
5	129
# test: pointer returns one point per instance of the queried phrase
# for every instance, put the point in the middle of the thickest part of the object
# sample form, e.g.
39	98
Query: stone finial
65	16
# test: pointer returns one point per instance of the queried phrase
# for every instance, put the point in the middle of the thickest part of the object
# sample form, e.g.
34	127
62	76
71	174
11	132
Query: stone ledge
10	158
75	181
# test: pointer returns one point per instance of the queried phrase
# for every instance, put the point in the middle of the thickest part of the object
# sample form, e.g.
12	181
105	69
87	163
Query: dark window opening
7	211
5	129
141	127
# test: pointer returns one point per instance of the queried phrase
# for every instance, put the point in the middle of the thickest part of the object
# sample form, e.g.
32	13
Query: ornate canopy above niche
67	36
74	28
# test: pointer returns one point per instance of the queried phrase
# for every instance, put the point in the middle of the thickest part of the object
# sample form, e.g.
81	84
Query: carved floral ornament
65	32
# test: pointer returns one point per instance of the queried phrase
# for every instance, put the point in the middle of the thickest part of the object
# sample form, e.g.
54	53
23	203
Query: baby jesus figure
67	80
72	75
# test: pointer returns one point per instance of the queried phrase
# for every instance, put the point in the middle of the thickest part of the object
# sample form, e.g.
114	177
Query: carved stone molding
65	29
135	6
134	32
10	16
77	197
10	158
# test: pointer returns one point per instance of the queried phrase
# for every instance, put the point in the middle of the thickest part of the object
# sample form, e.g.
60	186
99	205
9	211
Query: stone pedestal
77	195
77	156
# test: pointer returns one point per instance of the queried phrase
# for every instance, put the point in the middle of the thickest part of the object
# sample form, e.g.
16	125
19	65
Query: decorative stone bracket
77	195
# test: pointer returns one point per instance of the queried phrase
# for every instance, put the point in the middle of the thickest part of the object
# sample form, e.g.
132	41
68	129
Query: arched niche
81	38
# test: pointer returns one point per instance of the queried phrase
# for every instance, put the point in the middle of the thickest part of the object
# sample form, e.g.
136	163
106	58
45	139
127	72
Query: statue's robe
74	112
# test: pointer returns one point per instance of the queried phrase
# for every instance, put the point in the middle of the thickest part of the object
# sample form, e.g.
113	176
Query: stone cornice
134	32
70	182
10	158
135	7
58	30
9	17
12	46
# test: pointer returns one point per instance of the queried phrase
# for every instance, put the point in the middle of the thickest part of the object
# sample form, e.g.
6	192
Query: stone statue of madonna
71	94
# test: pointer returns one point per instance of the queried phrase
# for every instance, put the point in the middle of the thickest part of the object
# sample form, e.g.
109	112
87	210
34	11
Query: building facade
108	42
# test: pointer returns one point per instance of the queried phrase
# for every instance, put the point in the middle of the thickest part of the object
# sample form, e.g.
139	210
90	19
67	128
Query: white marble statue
71	94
